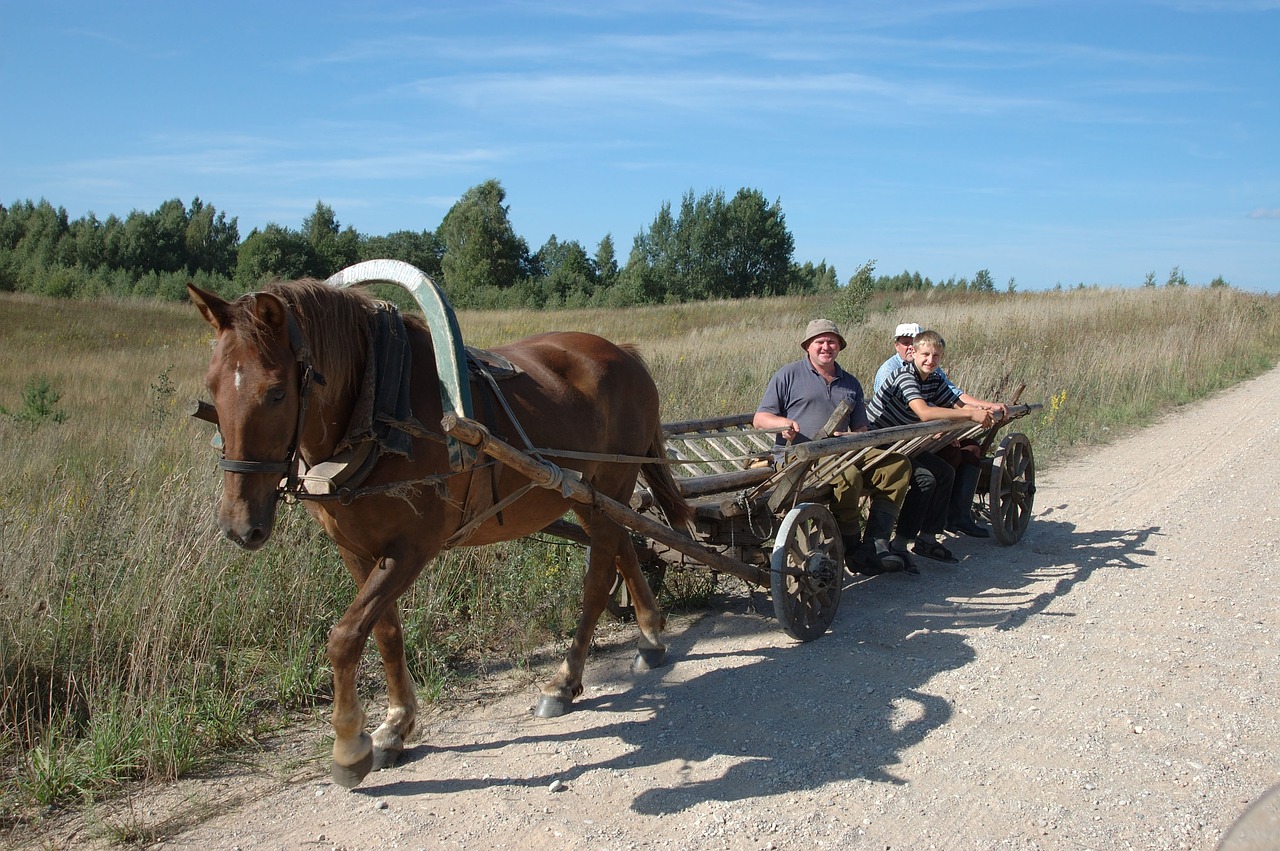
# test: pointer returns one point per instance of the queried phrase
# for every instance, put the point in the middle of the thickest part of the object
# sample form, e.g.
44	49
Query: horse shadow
852	703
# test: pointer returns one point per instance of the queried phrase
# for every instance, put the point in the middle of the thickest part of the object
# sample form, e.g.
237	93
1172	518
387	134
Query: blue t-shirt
798	392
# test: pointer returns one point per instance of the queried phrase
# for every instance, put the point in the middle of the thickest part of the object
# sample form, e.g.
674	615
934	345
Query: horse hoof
349	776
552	707
384	758
648	658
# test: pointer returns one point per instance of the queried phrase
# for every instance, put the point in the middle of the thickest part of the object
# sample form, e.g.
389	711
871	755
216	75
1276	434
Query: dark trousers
925	508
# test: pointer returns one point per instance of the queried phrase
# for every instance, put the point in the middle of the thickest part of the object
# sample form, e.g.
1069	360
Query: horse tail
663	485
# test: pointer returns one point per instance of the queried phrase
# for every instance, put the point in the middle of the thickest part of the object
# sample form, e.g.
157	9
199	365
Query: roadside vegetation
136	644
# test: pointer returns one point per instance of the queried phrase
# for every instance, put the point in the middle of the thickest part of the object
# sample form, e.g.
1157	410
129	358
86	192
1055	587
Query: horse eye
277	396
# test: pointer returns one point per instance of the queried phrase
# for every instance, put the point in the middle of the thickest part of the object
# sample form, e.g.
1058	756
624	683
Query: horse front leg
355	752
352	746
402	698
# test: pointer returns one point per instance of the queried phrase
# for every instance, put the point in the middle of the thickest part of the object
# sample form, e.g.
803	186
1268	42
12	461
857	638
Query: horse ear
216	311
271	312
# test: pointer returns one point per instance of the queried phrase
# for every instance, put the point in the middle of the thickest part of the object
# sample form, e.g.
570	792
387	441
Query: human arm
933	413
995	407
971	401
769	421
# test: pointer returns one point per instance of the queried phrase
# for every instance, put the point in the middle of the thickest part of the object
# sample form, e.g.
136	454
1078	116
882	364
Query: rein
289	486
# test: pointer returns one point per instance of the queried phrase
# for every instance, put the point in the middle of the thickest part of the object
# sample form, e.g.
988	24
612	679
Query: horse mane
336	324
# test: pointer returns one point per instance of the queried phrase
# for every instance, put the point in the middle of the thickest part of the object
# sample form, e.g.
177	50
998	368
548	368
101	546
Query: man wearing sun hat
800	399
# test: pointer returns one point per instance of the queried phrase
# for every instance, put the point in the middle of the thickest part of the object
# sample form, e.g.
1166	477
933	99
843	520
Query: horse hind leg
558	693
651	653
611	551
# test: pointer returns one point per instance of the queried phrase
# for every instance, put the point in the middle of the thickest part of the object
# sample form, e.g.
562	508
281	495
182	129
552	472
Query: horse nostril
251	539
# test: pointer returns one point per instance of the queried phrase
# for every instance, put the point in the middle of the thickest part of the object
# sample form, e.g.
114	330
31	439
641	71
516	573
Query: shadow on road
792	717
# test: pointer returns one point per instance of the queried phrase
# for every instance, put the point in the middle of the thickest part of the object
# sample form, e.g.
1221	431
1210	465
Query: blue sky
1046	142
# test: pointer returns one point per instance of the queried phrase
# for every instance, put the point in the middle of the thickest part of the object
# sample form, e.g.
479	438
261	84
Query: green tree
421	249
983	282
850	305
211	242
273	252
481	249
330	248
1150	280
816	279
650	273
157	241
1176	278
757	247
566	274
606	261
715	249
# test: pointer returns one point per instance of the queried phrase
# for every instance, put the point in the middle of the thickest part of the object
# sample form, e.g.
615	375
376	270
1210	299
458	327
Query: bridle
308	375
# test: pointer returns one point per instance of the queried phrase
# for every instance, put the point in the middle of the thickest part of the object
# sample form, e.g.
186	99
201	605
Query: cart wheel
806	571
1012	488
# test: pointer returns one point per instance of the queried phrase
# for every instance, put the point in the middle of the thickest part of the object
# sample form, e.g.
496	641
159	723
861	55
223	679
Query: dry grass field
134	643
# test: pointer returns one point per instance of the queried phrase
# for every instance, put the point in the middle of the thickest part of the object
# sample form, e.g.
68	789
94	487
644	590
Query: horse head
258	382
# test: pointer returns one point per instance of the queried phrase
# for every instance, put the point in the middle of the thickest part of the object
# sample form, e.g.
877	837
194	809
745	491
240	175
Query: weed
39	401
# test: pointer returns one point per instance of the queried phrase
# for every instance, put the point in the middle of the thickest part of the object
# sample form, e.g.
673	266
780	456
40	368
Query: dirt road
1108	683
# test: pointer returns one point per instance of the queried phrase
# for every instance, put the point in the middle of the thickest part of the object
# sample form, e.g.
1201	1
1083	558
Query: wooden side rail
823	460
720	446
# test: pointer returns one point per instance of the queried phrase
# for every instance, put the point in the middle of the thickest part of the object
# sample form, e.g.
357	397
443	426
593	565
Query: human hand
982	416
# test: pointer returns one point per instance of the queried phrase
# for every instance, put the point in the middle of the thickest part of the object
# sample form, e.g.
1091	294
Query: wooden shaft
202	410
548	475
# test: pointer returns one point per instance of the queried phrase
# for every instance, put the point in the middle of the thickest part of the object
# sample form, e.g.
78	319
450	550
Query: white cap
907	329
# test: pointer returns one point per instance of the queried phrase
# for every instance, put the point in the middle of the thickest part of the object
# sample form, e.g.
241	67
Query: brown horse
288	366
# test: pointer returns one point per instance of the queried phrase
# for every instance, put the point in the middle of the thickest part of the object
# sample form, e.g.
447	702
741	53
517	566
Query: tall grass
135	643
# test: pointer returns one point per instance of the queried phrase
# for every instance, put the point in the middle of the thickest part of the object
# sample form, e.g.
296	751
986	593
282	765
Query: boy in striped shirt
919	392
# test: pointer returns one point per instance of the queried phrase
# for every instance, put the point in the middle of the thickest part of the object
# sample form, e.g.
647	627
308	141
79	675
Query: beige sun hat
821	326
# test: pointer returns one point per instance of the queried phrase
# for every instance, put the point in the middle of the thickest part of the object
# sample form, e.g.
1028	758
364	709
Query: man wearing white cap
800	399
960	513
902	337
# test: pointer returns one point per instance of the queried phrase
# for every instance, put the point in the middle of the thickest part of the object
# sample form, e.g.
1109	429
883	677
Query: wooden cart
769	526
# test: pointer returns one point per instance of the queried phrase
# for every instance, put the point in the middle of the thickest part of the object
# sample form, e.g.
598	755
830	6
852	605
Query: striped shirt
891	405
895	363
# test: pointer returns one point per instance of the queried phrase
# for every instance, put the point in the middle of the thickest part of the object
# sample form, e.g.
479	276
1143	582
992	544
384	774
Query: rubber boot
960	511
875	552
855	557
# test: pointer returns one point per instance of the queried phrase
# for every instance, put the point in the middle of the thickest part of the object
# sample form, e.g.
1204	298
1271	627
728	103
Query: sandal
933	550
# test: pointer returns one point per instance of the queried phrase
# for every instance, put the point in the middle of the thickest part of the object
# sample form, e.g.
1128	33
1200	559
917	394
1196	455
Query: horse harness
308	375
340	478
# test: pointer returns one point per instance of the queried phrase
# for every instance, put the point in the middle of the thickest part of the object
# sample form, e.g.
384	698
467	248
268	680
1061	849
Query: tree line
709	247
